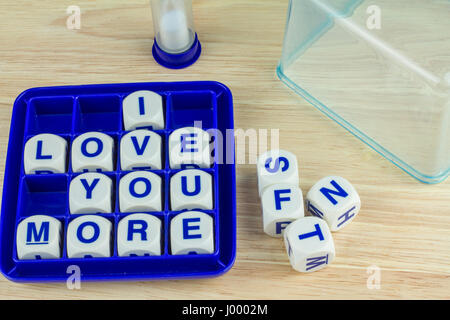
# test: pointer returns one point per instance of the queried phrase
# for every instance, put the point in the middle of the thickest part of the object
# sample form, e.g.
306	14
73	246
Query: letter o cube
92	151
140	191
89	236
335	200
309	244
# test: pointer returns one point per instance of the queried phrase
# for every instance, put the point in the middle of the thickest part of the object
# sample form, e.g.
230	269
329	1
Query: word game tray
68	111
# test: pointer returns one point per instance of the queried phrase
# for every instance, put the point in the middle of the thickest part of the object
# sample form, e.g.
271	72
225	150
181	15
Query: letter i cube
335	200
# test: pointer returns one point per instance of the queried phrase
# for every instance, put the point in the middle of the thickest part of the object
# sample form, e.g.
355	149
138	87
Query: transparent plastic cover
381	69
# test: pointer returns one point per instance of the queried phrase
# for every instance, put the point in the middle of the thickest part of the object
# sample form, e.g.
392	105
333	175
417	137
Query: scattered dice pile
333	202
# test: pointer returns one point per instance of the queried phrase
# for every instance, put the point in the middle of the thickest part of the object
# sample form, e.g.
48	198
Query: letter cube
335	200
45	153
191	189
89	236
276	166
143	109
39	237
140	191
309	244
139	234
92	151
281	204
192	232
140	150
189	147
91	192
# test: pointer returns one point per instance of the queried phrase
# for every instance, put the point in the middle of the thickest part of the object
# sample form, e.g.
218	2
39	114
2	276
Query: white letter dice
281	204
93	151
90	192
309	244
39	237
45	153
139	234
335	200
143	109
139	150
189	148
192	232
89	236
276	166
140	191
191	189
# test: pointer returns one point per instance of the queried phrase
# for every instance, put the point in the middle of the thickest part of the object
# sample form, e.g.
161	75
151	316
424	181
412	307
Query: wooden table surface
403	227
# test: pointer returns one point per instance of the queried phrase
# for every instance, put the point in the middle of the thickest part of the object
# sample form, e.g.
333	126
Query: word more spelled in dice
139	234
143	109
39	237
276	166
89	236
281	204
309	244
335	200
192	232
92	151
45	153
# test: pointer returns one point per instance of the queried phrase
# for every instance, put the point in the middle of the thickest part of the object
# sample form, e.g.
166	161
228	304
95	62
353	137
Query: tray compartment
49	115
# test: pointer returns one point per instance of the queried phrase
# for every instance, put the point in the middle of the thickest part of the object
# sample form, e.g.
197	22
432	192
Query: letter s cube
276	166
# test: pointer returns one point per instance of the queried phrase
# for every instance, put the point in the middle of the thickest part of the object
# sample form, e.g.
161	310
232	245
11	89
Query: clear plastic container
381	69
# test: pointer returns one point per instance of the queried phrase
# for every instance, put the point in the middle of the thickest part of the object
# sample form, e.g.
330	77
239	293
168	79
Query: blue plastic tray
71	110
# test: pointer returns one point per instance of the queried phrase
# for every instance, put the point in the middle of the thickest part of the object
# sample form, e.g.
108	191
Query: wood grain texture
403	226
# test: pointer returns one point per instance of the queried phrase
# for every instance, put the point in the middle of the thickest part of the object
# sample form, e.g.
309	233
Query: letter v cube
140	150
